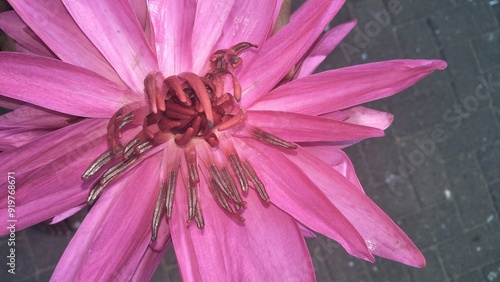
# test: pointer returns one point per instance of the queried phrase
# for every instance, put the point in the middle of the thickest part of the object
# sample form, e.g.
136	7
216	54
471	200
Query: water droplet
371	245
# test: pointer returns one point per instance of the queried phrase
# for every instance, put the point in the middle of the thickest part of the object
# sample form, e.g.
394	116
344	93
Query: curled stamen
175	83
235	120
129	148
169	203
191	160
183	139
240	173
126	120
202	94
151	91
272	139
159	209
111	129
98	163
261	190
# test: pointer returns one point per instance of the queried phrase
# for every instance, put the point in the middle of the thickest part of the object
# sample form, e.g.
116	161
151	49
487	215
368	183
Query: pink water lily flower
174	121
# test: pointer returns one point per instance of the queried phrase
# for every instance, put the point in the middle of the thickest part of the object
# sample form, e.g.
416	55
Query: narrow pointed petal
343	88
383	237
60	86
323	47
94	253
16	28
53	24
141	11
285	48
173	25
53	145
249	21
67	213
116	32
208	27
337	160
225	250
368	117
304	128
8	103
293	192
47	184
16	137
29	116
152	256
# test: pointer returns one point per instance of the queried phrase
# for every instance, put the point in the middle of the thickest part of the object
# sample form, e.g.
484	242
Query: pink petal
268	246
116	32
65	214
53	145
383	237
368	117
16	137
208	27
59	86
8	103
337	160
17	29
29	116
285	48
339	89
323	48
49	177
53	24
292	191
304	128
95	253
140	8
151	257
249	21
173	25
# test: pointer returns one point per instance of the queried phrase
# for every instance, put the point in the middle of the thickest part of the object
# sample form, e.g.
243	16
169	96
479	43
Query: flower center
184	107
189	106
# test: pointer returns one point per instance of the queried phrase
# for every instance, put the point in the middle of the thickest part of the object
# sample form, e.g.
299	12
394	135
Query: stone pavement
437	170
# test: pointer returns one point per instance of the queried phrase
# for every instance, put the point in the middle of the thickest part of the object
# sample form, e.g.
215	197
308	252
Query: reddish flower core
183	107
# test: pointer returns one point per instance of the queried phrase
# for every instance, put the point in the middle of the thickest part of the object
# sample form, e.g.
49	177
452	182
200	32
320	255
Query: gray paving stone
467	130
386	270
495	195
469	277
473	249
381	156
422	112
489	160
432	225
456	24
432	271
486	50
468	190
418	40
396	200
407	10
328	256
491	272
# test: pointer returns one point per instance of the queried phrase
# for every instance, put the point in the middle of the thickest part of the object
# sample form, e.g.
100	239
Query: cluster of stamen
183	107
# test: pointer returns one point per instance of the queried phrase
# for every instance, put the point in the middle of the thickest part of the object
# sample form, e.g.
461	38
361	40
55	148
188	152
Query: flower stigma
186	109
